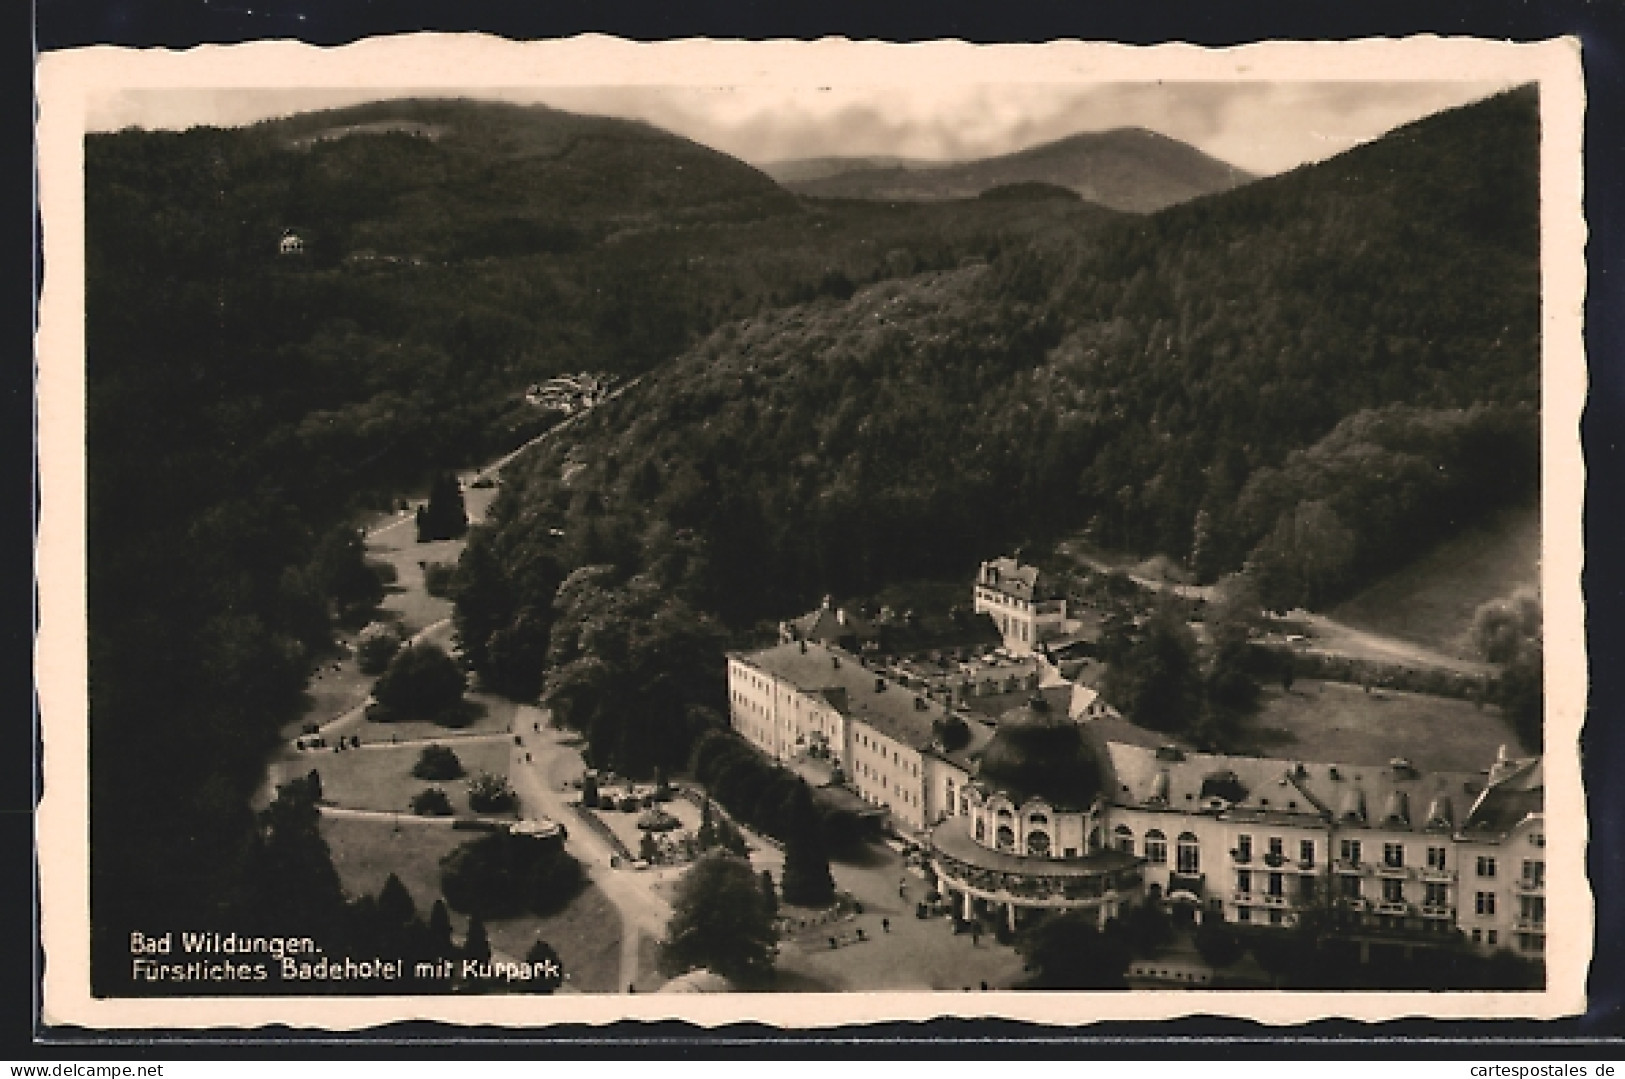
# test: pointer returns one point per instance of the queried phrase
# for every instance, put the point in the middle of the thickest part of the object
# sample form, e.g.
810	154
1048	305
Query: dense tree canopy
721	923
443	516
806	880
1067	950
421	682
501	875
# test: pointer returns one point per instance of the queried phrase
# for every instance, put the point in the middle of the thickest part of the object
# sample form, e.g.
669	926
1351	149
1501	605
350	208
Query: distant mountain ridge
1127	169
532	161
806	170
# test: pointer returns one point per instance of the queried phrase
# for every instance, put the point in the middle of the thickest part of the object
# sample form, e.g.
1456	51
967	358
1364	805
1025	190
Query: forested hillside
1127	169
246	405
1321	373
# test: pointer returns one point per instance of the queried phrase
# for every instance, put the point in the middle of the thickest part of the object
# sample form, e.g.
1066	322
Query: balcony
1343	865
1386	869
1306	865
1275	861
1349	902
1438	912
1535	925
1438	875
1275	900
1529	885
1241	857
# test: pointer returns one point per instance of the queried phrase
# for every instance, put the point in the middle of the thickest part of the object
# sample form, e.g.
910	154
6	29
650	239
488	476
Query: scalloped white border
70	82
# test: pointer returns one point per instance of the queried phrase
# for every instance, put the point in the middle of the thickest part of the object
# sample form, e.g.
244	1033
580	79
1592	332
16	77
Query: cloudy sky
1265	127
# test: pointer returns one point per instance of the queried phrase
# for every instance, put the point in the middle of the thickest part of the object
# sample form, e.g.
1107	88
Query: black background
61	24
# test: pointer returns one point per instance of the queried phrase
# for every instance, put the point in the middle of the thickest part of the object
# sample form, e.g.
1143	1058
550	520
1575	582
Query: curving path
541	784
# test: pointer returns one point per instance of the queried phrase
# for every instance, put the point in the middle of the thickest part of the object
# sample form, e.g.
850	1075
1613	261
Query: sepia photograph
811	531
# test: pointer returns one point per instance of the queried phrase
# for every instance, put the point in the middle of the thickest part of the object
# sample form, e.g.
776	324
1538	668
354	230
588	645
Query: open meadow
1337	721
379	777
1432	600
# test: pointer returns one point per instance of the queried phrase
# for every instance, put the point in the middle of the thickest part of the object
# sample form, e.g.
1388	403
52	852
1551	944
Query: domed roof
1040	753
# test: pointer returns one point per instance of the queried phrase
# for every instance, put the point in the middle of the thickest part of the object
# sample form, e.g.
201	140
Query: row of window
874	745
1532	875
1276	849
1531	908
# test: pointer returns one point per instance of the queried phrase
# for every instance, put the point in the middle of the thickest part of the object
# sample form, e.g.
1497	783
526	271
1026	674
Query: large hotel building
1055	802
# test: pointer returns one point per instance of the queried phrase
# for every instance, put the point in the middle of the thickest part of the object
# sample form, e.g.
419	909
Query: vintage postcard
811	532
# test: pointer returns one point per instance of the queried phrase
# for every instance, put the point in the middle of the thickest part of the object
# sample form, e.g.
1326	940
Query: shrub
502	875
437	578
432	802
489	793
422	682
437	762
376	646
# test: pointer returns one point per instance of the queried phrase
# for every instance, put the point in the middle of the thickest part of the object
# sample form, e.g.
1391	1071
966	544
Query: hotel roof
1392	797
1010	577
816	669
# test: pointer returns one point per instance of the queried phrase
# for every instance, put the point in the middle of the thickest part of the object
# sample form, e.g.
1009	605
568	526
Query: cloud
1265	127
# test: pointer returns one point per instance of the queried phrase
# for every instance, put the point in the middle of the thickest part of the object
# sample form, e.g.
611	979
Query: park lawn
586	934
1431	601
366	852
330	694
406	598
1336	722
379	777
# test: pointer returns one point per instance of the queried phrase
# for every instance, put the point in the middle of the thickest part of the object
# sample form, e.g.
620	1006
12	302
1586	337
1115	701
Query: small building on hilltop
1026	613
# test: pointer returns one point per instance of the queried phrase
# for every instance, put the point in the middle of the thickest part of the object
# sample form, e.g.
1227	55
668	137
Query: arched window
1125	838
1156	847
951	800
1038	844
981	830
1189	854
1005	814
1005	837
1037	819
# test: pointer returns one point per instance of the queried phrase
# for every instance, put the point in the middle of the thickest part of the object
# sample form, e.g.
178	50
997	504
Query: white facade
1386	852
1008	591
803	697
